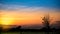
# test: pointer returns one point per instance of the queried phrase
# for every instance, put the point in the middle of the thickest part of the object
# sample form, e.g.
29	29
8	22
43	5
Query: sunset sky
27	12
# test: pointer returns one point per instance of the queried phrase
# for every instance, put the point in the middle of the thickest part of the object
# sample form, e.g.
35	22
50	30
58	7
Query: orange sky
14	17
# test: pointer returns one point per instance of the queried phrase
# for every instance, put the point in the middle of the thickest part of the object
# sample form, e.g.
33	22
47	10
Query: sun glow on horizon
6	20
25	18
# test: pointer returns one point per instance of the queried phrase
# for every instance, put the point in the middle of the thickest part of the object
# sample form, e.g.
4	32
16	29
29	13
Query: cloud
24	8
11	7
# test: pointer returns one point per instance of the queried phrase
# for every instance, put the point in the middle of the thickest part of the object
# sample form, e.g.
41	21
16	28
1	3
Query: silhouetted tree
18	28
15	28
46	21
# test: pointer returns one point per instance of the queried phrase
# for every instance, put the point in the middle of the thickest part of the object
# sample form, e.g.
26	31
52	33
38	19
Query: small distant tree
46	21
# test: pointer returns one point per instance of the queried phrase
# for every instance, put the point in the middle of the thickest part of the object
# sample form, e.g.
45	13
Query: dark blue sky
33	3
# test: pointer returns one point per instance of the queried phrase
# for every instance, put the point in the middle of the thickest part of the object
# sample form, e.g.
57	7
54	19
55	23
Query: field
27	33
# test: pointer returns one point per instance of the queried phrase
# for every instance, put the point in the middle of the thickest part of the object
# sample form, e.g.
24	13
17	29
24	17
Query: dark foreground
28	32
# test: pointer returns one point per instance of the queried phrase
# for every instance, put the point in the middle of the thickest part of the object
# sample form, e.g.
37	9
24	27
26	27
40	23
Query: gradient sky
24	12
31	3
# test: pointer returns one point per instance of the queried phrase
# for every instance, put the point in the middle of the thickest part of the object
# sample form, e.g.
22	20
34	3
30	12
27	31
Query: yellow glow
6	20
26	17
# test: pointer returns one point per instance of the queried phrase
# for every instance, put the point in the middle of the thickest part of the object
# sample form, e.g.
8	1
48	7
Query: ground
27	33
